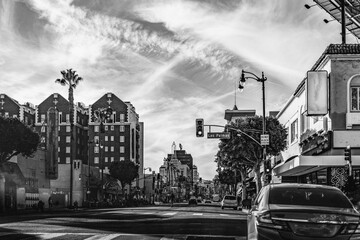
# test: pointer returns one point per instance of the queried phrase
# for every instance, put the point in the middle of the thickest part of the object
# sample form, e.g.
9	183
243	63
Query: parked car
302	211
207	201
192	200
229	201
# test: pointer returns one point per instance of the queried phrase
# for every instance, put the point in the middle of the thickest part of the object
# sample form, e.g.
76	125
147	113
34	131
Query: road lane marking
197	214
170	213
224	215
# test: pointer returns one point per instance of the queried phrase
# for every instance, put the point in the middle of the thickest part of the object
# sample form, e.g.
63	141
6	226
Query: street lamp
88	183
102	115
241	87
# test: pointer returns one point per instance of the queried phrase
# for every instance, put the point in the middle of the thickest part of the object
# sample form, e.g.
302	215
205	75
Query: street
155	222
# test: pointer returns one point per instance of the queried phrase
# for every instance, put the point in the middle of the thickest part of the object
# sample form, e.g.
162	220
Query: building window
67	149
58	159
106	159
96	160
96	128
68	118
112	159
106	138
122	139
112	128
42	118
68	128
294	130
96	149
43	129
112	148
67	159
67	139
112	138
122	128
58	138
114	116
106	149
122	159
106	128
122	149
122	117
58	149
60	117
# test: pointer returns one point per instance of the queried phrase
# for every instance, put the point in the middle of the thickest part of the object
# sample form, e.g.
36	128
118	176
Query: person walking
172	199
76	206
50	201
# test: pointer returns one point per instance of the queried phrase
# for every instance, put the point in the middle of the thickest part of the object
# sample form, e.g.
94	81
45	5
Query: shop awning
301	165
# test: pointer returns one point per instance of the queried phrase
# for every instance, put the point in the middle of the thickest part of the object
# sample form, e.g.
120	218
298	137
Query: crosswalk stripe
170	213
52	235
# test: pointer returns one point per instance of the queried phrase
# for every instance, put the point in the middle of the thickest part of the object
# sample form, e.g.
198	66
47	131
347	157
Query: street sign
264	139
222	135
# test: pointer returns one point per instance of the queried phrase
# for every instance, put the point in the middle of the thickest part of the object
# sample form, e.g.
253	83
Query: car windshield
230	198
309	197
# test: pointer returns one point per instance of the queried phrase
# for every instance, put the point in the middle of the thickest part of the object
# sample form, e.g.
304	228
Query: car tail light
264	220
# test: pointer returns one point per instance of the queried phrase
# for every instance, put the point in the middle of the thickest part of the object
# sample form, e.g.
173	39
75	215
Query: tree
243	152
16	138
70	78
124	171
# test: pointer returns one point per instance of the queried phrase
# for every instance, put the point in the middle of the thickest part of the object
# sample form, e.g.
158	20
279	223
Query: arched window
355	94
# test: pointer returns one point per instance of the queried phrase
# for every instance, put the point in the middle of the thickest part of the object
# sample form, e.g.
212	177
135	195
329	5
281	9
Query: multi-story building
176	172
120	139
323	118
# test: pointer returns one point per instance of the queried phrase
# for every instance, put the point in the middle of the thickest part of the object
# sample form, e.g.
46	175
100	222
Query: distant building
122	140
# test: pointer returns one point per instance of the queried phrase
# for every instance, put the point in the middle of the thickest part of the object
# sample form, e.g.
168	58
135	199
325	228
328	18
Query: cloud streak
174	60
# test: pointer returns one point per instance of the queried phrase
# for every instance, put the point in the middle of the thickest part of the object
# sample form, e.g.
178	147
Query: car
192	200
302	211
229	201
207	201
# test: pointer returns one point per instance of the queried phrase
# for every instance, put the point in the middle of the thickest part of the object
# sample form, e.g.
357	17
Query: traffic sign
222	135
264	139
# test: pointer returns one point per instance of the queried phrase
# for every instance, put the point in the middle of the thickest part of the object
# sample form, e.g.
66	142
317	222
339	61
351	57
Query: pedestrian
50	201
41	205
76	205
172	199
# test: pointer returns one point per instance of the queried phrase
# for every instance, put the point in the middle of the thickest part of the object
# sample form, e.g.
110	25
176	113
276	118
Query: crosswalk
181	213
107	236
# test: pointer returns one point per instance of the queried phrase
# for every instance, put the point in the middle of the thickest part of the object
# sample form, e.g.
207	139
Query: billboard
317	92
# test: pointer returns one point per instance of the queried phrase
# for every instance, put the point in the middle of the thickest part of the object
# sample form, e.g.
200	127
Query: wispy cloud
174	60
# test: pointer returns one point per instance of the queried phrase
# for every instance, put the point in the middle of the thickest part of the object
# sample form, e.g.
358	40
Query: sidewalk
36	211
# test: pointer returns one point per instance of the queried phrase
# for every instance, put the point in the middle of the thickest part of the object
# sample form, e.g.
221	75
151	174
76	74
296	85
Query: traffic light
347	157
267	167
199	127
347	154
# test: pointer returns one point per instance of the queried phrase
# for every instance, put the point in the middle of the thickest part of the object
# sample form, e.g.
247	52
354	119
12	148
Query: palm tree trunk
71	110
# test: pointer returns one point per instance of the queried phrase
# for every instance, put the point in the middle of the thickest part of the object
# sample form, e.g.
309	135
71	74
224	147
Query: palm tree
70	78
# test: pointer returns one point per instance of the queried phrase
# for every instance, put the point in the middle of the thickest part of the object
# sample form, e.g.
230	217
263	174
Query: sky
174	60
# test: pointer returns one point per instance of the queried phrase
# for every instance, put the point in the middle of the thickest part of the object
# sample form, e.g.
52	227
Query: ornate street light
102	115
241	87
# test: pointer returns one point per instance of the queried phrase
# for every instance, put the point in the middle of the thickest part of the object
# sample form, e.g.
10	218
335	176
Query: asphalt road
155	222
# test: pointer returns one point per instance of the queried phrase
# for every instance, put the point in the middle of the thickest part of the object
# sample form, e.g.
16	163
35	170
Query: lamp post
102	115
241	87
88	183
